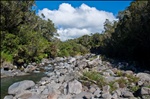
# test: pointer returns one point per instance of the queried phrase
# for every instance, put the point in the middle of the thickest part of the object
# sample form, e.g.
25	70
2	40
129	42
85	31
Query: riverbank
7	81
84	77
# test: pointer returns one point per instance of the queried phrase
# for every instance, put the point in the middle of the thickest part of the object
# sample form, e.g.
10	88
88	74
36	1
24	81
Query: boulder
52	96
127	94
144	76
94	62
92	89
71	60
144	79
8	97
38	96
24	94
106	89
20	86
106	96
74	87
64	97
83	95
97	93
81	64
145	91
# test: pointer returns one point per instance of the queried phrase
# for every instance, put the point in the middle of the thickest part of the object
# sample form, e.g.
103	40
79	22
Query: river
7	81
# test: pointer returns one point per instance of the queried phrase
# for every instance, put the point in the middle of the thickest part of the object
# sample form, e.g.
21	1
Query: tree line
26	37
126	39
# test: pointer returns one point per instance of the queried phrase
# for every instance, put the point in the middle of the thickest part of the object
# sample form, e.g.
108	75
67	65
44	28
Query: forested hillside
26	37
127	39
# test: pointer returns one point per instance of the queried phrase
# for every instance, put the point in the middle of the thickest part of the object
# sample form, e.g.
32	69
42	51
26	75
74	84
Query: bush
6	57
94	77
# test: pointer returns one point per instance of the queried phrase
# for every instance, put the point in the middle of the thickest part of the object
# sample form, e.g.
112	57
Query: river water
7	81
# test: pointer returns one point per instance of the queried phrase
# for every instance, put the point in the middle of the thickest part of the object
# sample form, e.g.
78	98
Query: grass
97	78
92	58
119	73
132	78
94	77
134	88
122	82
112	87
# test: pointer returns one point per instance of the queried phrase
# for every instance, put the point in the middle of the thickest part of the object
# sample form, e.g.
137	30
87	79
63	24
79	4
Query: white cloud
75	22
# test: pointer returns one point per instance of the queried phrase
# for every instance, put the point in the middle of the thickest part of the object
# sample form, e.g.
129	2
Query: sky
74	19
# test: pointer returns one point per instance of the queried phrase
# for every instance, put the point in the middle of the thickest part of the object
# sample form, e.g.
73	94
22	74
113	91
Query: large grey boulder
94	62
8	97
74	87
51	92
97	93
106	96
81	64
127	94
144	76
34	97
83	95
71	60
52	96
64	97
20	86
106	89
24	94
144	79
145	91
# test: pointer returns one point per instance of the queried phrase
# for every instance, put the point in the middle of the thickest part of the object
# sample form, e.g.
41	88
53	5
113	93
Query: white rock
20	86
144	76
8	97
75	87
145	91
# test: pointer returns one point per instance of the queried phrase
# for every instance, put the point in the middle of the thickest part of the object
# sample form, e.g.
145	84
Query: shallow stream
7	81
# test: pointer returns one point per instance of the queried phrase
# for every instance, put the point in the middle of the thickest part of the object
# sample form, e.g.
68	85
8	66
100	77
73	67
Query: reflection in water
6	82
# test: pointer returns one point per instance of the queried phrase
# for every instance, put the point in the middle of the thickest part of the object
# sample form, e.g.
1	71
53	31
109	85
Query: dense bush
131	38
71	48
25	37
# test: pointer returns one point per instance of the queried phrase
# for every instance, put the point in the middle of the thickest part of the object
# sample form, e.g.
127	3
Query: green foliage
119	73
122	82
25	37
132	78
112	86
126	39
71	48
130	38
93	76
134	88
6	57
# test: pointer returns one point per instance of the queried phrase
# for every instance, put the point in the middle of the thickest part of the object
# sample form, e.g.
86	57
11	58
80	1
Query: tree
24	36
131	37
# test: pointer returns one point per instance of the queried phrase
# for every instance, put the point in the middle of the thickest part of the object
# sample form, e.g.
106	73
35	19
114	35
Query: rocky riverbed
82	77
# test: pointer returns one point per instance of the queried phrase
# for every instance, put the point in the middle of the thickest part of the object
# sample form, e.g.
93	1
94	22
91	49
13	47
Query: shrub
134	88
94	77
122	82
6	57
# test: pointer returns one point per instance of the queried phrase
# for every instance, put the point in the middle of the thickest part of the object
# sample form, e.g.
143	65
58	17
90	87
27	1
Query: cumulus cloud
75	22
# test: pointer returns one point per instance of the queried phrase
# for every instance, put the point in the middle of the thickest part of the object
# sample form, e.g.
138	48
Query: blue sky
77	18
110	6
